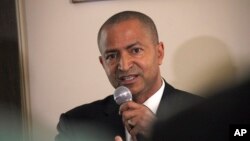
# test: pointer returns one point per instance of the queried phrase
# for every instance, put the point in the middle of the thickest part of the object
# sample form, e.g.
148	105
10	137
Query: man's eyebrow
127	47
110	51
132	45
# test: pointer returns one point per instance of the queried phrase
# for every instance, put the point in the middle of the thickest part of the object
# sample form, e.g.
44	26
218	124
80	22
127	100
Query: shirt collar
153	102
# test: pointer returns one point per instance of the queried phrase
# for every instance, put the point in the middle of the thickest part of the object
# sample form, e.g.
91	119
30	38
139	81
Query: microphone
122	94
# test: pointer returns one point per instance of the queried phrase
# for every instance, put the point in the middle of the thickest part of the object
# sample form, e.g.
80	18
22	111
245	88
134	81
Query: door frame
24	70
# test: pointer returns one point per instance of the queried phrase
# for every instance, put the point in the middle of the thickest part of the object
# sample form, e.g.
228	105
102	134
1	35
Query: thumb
118	138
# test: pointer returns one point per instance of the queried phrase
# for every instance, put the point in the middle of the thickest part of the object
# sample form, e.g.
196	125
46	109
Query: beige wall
206	44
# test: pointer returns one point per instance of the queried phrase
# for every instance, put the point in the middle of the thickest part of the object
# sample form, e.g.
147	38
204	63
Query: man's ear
160	51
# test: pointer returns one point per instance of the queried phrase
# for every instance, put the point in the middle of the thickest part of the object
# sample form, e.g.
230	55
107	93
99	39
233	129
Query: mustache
131	71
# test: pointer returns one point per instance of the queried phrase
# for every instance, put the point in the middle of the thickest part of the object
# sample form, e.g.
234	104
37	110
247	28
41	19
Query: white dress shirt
152	103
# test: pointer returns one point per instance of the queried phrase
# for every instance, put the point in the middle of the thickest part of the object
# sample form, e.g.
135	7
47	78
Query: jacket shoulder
92	108
179	95
175	100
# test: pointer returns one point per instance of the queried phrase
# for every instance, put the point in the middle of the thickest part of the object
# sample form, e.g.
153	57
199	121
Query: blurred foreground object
210	120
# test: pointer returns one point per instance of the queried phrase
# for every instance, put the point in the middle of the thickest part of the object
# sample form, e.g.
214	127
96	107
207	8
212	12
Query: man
130	55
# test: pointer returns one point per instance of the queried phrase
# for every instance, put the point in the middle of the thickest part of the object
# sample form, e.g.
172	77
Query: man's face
130	58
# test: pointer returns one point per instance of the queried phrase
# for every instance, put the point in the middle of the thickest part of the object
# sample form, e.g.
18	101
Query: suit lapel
174	101
163	106
115	120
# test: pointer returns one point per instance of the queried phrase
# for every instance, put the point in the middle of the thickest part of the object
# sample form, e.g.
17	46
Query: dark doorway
10	95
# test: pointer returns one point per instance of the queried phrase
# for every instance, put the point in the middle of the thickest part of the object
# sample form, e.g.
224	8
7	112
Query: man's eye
136	50
111	56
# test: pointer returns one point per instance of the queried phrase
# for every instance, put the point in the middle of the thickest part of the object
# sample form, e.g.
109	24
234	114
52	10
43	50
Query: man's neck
142	97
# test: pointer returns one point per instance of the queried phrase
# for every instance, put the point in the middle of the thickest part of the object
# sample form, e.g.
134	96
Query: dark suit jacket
100	120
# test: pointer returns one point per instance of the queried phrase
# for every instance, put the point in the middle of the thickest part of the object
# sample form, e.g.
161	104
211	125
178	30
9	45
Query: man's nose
125	62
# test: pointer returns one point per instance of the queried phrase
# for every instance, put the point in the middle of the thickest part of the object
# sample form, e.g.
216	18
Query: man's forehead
110	37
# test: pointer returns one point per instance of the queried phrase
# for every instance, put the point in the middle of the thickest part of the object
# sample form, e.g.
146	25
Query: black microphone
122	94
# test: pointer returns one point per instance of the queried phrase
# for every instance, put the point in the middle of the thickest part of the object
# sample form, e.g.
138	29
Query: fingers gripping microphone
122	94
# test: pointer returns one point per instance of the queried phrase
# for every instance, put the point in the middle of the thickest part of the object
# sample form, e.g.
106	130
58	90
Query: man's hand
137	118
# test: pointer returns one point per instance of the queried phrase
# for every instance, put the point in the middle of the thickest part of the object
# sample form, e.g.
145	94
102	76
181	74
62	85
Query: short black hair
130	15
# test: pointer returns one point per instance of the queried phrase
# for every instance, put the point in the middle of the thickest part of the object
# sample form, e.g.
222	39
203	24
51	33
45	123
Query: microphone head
122	94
